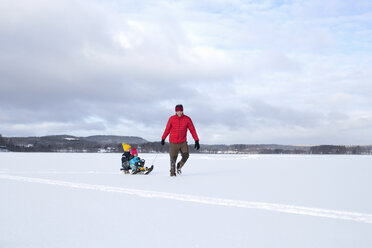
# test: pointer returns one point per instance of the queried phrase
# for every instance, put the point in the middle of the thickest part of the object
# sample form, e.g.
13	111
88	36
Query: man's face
179	113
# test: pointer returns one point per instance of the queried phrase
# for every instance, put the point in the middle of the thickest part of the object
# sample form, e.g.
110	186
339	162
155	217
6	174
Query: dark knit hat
179	107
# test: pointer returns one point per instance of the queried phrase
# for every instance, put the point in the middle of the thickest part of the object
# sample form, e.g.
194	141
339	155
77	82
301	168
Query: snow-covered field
82	200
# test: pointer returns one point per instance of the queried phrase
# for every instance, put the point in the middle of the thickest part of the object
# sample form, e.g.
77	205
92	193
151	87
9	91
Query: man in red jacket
177	128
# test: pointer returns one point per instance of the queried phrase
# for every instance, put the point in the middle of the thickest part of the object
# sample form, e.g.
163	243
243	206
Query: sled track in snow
60	172
318	212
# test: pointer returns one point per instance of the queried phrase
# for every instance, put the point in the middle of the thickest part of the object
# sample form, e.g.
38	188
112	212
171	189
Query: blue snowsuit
133	163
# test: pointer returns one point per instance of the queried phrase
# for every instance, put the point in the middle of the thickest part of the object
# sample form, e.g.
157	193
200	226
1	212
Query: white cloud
246	72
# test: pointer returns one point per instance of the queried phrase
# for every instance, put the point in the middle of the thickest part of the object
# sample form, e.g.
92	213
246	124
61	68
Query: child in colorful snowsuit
135	162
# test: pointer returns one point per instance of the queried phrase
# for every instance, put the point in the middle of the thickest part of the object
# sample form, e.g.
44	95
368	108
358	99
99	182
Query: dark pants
125	160
174	149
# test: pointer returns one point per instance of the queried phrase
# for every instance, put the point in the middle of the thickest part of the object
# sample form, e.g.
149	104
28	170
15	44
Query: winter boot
179	166
173	171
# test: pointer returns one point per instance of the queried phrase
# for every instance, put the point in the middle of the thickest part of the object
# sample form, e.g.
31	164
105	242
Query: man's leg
173	154
184	148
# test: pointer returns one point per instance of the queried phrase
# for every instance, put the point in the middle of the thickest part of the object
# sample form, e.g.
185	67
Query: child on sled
125	158
131	163
136	164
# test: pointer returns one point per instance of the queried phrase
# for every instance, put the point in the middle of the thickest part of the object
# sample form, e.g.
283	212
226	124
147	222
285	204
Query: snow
82	200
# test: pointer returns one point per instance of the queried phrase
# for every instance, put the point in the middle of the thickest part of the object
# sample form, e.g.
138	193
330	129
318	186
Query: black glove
197	146
162	142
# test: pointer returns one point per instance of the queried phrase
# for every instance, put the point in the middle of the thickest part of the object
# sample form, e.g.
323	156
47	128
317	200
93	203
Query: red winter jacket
177	127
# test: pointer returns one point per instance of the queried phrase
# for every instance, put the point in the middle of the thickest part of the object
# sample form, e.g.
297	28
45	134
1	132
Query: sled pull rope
155	158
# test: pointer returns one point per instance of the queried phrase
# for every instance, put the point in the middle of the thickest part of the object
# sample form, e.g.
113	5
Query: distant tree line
328	149
72	144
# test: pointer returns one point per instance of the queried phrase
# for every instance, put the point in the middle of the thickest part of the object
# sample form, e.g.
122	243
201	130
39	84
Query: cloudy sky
286	72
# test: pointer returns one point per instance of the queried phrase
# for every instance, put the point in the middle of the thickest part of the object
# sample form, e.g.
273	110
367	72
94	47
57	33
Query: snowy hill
113	139
61	139
68	143
81	200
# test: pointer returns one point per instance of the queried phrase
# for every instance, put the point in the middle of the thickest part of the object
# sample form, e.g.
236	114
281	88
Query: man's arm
192	129
167	129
